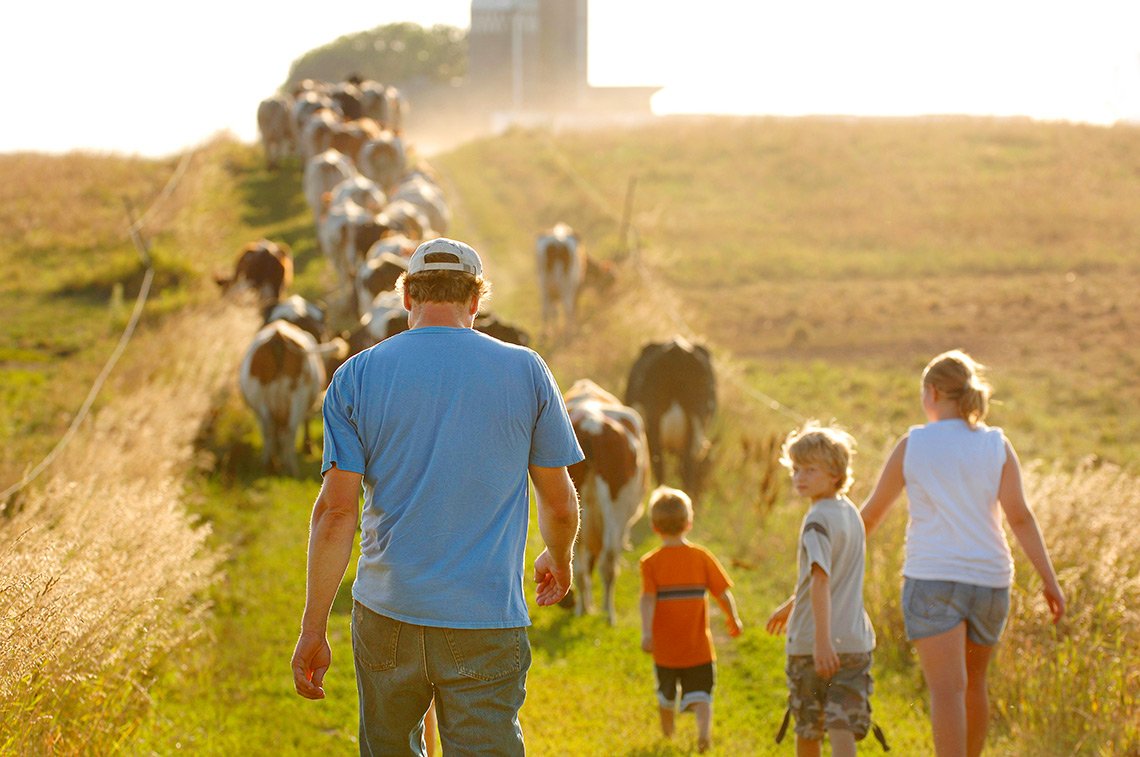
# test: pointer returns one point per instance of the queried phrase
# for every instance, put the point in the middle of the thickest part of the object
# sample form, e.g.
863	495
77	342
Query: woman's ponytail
958	377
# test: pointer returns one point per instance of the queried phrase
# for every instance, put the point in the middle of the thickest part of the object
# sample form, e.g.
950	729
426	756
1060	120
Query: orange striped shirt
682	576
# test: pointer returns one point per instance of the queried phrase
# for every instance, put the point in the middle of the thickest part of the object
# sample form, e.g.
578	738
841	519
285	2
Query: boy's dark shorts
842	703
696	685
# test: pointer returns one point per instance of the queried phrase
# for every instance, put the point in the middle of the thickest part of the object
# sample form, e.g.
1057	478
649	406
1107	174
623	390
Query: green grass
234	695
823	262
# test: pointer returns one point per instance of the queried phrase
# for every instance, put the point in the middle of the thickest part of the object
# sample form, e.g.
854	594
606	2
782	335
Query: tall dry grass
102	571
1068	689
1077	685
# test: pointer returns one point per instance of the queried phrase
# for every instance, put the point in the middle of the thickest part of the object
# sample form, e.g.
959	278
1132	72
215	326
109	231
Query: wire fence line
633	253
134	231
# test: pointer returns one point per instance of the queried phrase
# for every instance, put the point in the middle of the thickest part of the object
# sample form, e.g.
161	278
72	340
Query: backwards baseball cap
445	254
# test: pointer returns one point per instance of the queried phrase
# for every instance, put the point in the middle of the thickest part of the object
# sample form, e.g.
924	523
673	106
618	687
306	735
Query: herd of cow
372	205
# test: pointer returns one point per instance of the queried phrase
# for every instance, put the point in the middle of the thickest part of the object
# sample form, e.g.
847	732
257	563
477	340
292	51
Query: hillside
829	256
822	261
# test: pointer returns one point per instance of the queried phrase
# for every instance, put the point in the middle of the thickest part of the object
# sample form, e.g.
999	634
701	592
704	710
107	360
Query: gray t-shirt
832	537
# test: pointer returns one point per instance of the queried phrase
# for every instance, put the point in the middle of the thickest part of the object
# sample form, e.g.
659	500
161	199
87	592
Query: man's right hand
552	579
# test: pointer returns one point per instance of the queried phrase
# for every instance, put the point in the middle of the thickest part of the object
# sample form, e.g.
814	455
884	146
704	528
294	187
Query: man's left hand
552	579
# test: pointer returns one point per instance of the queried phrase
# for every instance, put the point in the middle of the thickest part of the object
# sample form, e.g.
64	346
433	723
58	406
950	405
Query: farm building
530	57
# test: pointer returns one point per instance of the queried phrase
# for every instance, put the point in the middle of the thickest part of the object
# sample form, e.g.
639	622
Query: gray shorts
934	607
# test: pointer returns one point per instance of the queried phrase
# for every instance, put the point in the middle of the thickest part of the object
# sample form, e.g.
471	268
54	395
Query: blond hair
828	446
958	377
443	286
670	510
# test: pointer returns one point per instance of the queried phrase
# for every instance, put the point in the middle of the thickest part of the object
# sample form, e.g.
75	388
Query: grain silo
527	54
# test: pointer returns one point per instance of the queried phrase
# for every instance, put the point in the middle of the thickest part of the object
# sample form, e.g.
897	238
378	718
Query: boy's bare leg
666	721
703	712
806	747
842	743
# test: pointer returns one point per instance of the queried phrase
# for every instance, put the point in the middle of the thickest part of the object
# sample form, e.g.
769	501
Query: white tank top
954	532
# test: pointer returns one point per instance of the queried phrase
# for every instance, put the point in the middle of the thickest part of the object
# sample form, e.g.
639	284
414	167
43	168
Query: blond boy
830	637
676	579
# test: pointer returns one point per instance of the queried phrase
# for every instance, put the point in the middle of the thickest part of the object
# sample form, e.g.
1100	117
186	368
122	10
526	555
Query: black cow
504	332
673	387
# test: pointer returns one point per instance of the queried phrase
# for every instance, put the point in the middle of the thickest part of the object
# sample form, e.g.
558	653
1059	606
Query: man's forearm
557	503
330	549
559	527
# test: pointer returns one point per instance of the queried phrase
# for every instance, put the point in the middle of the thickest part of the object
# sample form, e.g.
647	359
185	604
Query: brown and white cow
611	481
347	97
264	267
374	100
273	123
361	190
420	190
673	387
323	173
383	159
409	219
349	137
305	315
393	244
561	262
379	273
385	318
317	134
398	109
347	232
281	377
306	102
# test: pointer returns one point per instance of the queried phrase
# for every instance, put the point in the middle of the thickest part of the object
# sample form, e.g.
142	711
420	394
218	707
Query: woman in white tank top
959	476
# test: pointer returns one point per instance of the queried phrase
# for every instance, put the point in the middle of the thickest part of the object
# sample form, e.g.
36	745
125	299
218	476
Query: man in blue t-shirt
440	425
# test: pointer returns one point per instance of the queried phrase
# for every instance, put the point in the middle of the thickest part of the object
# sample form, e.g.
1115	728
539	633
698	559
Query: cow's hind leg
583	568
693	458
287	448
268	441
607	568
614	541
656	458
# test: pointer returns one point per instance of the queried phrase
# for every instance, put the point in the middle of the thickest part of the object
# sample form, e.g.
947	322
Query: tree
405	54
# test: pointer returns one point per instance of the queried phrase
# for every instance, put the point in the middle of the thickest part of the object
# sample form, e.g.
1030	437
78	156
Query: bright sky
138	76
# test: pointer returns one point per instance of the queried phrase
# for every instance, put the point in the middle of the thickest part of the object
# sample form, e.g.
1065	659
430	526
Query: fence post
627	211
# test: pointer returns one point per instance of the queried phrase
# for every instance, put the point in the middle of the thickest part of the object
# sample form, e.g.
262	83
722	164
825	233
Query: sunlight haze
148	78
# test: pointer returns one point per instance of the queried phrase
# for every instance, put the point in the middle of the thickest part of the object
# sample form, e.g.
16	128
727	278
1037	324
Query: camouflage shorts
843	702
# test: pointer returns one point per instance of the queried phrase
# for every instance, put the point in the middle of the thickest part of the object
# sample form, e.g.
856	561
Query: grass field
823	262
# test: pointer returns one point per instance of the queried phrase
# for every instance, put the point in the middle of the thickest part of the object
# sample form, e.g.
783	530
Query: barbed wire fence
142	247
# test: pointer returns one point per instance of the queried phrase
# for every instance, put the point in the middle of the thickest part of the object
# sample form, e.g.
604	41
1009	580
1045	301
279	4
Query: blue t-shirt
442	423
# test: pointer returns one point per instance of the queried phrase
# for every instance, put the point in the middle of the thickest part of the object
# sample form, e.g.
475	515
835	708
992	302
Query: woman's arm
1011	495
887	490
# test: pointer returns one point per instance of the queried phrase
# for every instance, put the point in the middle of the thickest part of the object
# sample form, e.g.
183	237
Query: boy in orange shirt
675	580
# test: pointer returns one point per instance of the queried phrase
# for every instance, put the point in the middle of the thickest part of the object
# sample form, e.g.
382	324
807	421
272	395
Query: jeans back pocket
487	654
374	638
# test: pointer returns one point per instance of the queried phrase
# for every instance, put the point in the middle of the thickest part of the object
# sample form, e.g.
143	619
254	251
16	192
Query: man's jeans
477	676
